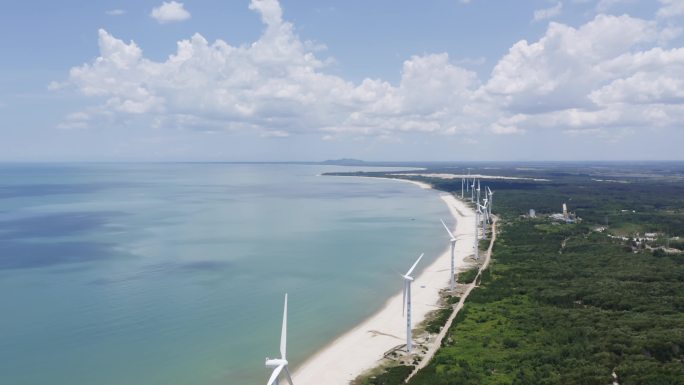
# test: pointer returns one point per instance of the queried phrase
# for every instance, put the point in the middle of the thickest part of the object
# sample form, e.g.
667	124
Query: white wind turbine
486	210
481	209
453	245
278	364
477	225
462	185
472	191
467	181
478	192
491	199
406	305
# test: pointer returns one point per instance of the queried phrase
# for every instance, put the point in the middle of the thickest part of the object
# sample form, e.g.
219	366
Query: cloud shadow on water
22	255
55	225
36	190
41	241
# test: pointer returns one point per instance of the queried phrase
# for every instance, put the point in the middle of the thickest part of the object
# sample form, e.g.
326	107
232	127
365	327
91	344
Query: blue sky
381	80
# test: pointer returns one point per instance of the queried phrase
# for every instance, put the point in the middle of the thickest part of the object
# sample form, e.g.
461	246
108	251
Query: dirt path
438	341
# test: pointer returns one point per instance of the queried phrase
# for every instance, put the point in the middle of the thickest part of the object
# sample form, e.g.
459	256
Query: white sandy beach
476	176
362	348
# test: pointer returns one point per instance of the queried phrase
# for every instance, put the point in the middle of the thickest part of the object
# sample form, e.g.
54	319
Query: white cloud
606	75
548	13
115	12
76	120
561	69
669	33
275	134
596	77
671	8
170	12
650	77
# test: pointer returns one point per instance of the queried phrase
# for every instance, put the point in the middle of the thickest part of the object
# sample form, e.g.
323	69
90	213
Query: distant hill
346	162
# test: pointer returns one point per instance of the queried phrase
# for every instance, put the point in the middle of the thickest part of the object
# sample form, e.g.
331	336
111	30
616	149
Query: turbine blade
414	264
447	229
275	374
283	333
289	377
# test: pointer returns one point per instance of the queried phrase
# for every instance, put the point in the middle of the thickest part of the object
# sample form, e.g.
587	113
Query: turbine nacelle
275	362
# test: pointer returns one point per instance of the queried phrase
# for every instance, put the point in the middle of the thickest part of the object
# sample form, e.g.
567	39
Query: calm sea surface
174	274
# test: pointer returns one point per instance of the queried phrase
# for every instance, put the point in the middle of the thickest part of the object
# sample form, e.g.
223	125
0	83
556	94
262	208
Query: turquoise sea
174	274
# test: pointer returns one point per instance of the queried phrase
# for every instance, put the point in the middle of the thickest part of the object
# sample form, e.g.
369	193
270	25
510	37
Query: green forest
565	303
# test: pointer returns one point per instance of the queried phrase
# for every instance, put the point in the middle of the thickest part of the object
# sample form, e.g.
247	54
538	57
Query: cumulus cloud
591	77
671	8
548	13
607	74
170	12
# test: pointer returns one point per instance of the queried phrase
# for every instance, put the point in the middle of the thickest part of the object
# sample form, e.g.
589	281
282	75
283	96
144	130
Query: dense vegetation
562	303
544	317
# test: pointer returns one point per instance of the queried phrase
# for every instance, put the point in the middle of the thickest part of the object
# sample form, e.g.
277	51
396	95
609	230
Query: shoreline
478	176
362	348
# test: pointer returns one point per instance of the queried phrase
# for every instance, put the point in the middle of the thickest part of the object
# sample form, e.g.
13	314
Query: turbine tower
467	180
406	306
472	191
462	184
478	192
481	208
491	199
477	223
485	201
453	245
278	364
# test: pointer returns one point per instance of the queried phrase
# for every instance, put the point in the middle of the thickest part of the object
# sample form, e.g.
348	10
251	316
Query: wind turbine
481	208
476	247
467	180
491	199
453	245
462	184
472	191
278	364
486	210
478	192
406	305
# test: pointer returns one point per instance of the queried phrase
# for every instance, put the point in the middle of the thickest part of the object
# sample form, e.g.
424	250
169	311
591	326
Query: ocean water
174	274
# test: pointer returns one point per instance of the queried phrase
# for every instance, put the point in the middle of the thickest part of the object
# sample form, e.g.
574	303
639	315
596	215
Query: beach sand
362	348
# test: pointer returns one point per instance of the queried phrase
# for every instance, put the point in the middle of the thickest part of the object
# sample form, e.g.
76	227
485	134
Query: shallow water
120	274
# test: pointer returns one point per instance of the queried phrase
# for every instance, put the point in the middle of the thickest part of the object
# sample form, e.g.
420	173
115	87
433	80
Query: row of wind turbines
483	211
482	218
